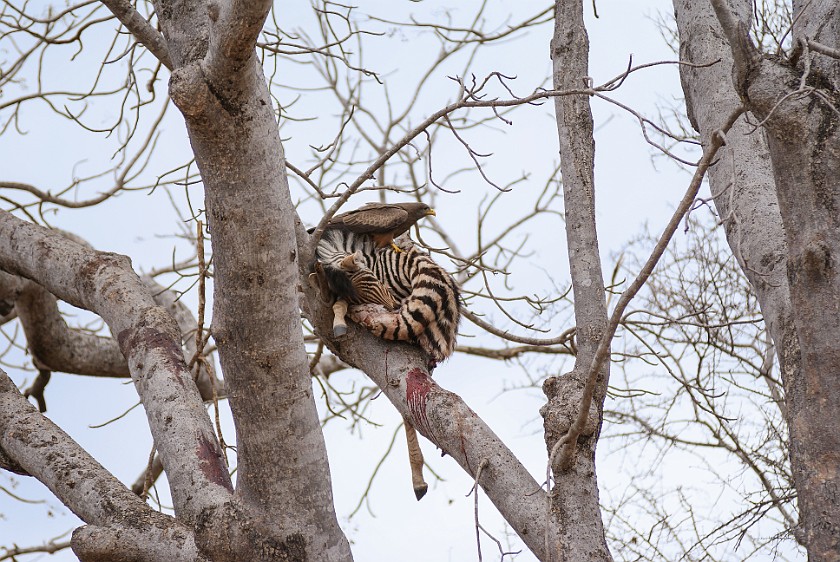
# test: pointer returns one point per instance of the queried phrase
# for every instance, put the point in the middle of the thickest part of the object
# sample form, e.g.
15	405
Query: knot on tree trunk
189	91
565	394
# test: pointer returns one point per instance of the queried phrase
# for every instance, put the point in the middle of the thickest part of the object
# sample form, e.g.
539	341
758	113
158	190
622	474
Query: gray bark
576	516
219	87
777	190
90	491
204	375
105	284
57	347
282	506
445	420
819	21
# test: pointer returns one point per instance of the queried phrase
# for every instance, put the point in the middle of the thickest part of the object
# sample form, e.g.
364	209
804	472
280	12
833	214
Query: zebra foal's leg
415	459
339	318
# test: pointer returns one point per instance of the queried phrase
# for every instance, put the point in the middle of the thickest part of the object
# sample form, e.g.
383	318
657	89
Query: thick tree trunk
283	478
783	227
577	528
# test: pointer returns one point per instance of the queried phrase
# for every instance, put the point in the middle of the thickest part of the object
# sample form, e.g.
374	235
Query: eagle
381	221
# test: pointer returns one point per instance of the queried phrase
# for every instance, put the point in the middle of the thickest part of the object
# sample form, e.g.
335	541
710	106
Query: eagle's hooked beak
431	212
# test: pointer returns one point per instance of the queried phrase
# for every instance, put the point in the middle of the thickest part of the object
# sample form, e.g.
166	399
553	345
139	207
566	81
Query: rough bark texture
57	347
204	374
219	87
819	21
576	516
150	340
90	491
780	201
282	506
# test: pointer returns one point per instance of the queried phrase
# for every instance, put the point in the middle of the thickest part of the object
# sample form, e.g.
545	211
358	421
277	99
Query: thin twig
474	490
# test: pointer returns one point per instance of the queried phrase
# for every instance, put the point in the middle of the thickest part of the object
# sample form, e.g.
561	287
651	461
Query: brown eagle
381	221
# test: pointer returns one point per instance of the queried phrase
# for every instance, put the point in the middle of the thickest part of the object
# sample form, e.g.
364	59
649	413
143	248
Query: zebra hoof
339	331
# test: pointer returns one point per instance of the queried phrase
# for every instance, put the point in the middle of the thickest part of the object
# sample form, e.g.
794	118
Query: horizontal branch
47	548
60	348
47	197
564	338
508	353
116	543
823	49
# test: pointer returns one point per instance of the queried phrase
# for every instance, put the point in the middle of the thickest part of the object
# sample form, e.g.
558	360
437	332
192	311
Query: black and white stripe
429	298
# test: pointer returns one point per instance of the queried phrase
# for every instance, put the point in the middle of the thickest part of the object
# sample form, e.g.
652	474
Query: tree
781	177
229	76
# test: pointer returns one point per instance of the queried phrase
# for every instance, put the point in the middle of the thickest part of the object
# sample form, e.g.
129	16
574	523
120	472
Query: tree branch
60	348
568	443
203	372
115	543
48	548
54	344
141	29
150	474
84	486
744	53
443	418
150	340
823	49
8	463
235	26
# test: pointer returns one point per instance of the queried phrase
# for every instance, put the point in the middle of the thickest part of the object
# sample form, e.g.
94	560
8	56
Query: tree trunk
283	478
577	529
780	199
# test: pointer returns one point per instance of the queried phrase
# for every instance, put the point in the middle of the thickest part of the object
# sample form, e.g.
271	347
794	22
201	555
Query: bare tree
228	70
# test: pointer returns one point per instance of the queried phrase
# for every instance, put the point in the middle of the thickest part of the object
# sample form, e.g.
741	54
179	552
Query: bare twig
474	490
48	548
142	30
563	338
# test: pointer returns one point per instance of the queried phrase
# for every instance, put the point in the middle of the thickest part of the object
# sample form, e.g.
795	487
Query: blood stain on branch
418	385
212	464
